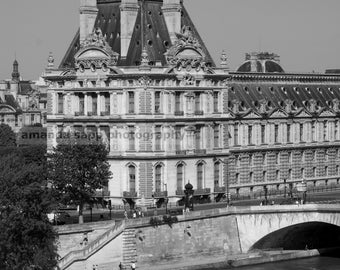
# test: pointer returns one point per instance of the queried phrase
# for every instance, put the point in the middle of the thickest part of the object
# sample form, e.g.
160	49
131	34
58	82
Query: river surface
315	263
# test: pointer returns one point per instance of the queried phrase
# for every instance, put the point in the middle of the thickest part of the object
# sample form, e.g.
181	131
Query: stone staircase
90	249
129	248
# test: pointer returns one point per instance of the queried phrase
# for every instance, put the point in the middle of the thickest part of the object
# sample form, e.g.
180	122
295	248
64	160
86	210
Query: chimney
88	16
128	17
172	14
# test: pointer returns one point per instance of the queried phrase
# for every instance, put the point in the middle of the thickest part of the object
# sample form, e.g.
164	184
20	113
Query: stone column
85	103
99	103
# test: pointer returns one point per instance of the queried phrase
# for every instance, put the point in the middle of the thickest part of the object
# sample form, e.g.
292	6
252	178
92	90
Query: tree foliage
27	239
7	136
76	171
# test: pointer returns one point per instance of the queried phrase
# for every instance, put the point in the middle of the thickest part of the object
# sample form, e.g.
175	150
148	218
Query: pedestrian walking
126	215
133	266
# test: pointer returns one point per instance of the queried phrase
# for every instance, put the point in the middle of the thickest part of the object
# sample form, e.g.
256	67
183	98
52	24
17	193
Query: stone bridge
217	232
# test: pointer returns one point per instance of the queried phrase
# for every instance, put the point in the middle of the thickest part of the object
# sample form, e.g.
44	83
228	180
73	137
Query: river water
315	263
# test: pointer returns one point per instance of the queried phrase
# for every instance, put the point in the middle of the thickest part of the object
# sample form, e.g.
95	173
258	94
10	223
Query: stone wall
202	237
71	237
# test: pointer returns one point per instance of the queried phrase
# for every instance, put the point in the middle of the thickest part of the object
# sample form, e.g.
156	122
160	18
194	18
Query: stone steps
129	248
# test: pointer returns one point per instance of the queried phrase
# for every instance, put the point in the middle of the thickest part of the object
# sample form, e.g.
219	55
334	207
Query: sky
305	33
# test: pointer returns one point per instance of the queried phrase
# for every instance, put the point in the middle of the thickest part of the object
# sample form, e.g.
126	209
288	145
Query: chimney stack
88	16
172	14
128	16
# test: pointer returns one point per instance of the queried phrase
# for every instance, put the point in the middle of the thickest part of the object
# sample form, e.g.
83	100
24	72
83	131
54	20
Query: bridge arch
311	235
282	220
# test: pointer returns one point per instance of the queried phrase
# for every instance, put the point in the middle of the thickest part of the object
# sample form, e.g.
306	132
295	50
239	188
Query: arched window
158	178
132	178
180	177
217	174
200	176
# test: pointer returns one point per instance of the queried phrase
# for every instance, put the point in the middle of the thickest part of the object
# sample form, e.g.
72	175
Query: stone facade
169	116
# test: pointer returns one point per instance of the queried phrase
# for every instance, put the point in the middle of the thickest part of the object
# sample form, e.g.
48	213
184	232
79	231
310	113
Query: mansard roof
270	99
156	36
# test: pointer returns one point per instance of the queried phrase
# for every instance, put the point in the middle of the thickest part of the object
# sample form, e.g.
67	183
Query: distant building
21	104
139	74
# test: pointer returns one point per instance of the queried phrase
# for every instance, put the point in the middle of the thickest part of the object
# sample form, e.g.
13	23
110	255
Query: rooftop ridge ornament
50	61
224	60
95	52
145	61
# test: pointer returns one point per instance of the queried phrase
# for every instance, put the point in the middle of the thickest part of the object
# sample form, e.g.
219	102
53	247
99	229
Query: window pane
158	179
200	176
132	179
179	177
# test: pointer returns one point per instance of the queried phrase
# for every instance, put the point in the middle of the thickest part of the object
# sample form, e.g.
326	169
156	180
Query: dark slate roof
10	100
25	87
276	94
270	67
156	35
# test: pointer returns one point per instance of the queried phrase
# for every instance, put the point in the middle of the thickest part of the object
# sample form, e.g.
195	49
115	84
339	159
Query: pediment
92	53
251	115
6	109
327	113
302	113
189	54
278	114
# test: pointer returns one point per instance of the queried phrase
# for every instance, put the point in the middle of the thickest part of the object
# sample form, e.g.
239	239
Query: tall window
178	137
94	104
325	131
336	131
60	103
157	102
132	139
178	102
263	134
197	102
131	102
180	177
216	136
301	132
81	104
132	179
313	131
198	138
158	178
276	133
158	139
217	174
236	135
107	104
288	133
200	176
216	110
250	134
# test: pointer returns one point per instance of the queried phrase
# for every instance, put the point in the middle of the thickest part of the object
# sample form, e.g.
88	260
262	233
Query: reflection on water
316	263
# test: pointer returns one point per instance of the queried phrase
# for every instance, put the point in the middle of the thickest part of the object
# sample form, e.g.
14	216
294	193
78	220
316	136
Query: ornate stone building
139	75
21	103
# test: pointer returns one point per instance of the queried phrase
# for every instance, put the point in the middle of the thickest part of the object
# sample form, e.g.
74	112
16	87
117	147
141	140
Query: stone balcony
219	189
160	194
202	191
130	195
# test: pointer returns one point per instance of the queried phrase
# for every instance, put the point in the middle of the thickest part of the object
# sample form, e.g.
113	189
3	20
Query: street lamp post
166	199
285	187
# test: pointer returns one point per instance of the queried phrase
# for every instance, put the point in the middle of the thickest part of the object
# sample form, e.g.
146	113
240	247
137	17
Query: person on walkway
126	215
133	266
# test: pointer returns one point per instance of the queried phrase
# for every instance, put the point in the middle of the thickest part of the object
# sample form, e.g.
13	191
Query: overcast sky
305	33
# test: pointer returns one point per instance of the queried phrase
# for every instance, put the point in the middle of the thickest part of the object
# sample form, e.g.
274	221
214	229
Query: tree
77	170
27	239
7	136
